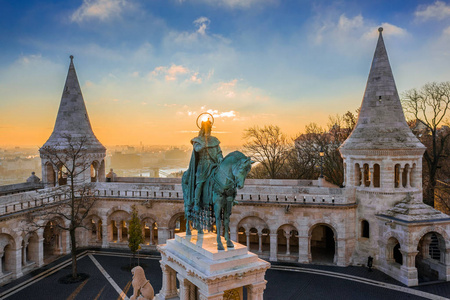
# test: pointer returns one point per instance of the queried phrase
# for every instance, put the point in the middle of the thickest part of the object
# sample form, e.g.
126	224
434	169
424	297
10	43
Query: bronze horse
218	196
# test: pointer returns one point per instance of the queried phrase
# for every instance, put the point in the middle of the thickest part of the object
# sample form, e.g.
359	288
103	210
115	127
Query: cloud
446	31
214	112
225	114
99	9
344	32
437	11
227	88
202	23
174	72
170	73
388	29
242	4
185	37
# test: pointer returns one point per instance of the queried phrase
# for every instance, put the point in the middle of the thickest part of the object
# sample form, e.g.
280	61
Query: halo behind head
204	114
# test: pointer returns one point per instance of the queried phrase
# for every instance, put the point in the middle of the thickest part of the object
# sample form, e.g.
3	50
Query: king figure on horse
210	183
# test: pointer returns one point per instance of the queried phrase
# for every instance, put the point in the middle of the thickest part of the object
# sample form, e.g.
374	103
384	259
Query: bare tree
442	196
268	146
309	144
428	106
77	197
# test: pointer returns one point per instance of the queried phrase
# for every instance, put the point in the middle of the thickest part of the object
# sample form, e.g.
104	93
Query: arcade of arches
286	242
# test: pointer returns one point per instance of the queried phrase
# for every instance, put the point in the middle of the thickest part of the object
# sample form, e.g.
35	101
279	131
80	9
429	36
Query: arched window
365	232
62	175
405	176
393	254
50	174
397	176
434	251
398	257
357	175
94	171
376	175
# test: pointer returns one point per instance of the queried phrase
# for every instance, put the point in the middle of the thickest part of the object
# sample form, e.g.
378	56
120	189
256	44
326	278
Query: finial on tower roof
380	29
71	58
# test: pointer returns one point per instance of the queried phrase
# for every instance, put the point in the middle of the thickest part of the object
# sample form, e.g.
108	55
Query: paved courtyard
109	279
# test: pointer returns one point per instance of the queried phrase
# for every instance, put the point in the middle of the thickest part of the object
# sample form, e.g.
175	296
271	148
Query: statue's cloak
189	180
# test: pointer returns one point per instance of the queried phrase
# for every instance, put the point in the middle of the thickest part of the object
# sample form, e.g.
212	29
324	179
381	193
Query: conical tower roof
73	119
381	122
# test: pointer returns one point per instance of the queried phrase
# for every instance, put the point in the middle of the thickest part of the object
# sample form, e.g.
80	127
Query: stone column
287	235
408	267
151	234
24	254
40	261
16	262
344	174
163	235
248	239
105	240
362	175
400	179
447	263
143	230
169	284
339	251
205	296
409	258
184	288
127	224
273	246
1	256
408	174
233	233
97	172
99	231
119	232
303	246
256	291
259	241
371	177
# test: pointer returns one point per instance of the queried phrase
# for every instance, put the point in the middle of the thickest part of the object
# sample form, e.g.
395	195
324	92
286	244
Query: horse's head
241	171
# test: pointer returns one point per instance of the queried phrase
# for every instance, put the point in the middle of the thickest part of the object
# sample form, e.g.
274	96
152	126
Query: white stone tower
382	157
72	123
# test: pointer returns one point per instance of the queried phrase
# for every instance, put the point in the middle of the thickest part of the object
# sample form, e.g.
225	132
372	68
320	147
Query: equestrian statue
210	183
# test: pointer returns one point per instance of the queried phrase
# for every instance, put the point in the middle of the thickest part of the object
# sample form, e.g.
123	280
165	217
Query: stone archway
322	244
50	177
287	243
117	226
177	224
7	254
32	251
94	170
52	239
430	260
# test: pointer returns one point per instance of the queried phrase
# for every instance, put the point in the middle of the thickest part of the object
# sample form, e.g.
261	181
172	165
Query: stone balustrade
255	191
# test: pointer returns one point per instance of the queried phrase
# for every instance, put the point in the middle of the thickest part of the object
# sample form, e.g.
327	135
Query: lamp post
322	154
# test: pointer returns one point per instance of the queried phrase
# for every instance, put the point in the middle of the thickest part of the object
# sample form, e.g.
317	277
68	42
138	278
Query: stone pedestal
204	272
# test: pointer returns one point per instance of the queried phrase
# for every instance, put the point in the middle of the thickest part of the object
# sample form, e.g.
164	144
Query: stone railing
18	202
19	188
254	192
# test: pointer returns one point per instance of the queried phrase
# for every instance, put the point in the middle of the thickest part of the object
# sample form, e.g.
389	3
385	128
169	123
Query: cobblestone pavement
285	281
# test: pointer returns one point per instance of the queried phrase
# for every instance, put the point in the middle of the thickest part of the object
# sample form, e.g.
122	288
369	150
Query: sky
148	68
